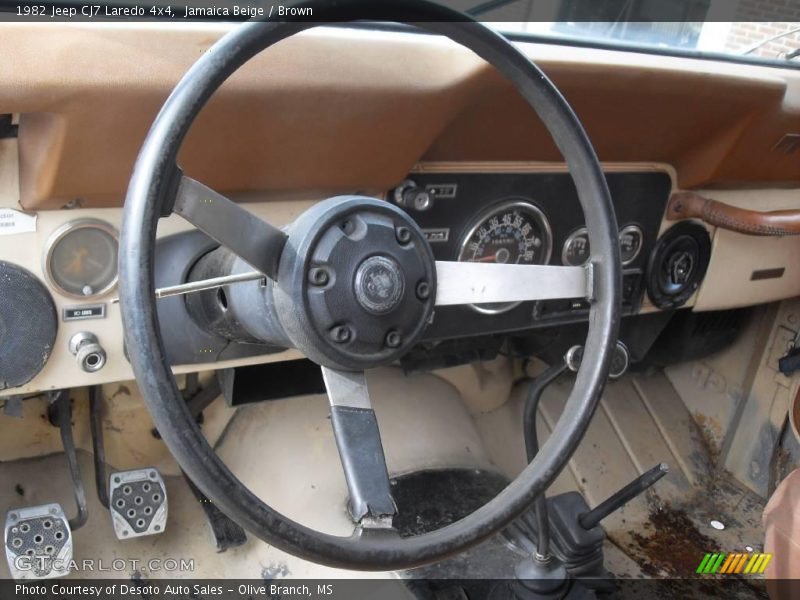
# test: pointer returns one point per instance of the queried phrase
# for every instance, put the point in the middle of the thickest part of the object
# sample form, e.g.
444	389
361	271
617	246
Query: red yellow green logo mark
732	563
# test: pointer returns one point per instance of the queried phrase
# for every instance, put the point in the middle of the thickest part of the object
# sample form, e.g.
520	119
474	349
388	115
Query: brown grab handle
688	205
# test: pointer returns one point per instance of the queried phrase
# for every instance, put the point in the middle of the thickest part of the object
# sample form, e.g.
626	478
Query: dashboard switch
89	353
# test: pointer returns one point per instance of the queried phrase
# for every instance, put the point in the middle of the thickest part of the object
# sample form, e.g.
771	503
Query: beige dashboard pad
337	110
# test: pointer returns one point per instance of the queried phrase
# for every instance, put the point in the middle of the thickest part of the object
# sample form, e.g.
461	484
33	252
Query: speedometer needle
492	258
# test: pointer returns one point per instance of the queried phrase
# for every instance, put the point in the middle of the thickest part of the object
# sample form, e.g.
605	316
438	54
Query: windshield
742	30
752	30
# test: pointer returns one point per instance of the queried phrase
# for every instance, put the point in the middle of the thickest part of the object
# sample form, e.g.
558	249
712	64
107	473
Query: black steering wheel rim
150	187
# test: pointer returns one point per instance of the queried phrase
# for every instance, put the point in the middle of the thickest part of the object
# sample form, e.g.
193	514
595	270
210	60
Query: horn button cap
356	283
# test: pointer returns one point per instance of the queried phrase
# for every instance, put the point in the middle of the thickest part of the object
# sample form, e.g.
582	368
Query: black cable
201	399
96	423
532	447
65	425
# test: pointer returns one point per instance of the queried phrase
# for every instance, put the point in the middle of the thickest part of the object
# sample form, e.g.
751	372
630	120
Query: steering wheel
385	291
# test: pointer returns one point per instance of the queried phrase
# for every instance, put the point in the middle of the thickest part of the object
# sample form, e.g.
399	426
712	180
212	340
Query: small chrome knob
88	352
619	361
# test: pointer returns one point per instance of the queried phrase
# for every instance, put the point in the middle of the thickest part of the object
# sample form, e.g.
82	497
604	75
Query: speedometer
512	232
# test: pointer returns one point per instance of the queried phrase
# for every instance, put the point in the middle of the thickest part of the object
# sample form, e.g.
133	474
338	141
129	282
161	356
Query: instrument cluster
529	218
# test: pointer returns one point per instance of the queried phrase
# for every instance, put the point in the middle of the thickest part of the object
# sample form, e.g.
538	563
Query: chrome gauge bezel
59	234
633	227
640	232
568	241
489	213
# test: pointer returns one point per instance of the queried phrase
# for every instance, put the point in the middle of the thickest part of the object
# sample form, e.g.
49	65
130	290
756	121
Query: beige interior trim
735	257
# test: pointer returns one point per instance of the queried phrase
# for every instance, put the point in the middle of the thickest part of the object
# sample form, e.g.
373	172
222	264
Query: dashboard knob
88	352
408	195
619	361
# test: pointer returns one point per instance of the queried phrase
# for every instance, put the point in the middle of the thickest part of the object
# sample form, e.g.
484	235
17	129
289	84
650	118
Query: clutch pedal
38	542
138	503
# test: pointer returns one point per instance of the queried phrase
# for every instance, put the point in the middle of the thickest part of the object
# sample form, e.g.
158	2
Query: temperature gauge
576	250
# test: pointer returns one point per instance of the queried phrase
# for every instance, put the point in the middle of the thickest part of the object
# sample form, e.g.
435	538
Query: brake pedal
138	503
38	542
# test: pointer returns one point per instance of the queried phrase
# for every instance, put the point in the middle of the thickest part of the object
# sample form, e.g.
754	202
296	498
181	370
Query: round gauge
631	240
576	250
81	258
511	232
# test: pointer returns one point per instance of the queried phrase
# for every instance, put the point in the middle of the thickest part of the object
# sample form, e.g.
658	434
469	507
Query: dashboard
528	213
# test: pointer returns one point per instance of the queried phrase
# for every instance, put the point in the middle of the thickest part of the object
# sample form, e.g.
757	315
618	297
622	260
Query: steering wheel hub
379	284
355	283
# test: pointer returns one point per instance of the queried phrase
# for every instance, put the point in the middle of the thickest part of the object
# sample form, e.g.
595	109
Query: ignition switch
409	195
89	353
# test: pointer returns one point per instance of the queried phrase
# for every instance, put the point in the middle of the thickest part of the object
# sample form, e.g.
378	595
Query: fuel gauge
631	239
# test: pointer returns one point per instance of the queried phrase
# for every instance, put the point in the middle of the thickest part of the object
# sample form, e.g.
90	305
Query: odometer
510	232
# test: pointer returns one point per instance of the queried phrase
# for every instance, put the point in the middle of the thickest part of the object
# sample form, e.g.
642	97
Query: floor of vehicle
285	451
640	422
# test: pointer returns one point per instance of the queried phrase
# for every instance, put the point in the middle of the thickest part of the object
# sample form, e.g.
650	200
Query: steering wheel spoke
360	449
476	283
256	241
